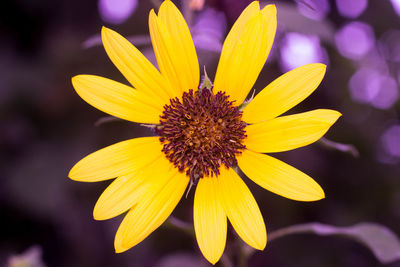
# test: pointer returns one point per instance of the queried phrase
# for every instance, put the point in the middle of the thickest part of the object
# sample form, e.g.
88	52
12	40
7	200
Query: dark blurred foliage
45	128
231	8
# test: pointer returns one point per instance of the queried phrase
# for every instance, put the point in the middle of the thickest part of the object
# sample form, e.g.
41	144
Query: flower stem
175	223
242	255
346	148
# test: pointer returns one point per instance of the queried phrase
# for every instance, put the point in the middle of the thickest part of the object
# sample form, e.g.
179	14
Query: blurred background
45	128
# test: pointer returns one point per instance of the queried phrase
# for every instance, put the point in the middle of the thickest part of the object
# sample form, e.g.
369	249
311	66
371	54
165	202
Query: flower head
201	134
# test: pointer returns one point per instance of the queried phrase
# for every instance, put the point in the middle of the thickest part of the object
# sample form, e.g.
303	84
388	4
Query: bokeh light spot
370	86
396	6
298	49
209	29
389	45
351	9
387	94
314	9
391	141
354	40
116	11
363	85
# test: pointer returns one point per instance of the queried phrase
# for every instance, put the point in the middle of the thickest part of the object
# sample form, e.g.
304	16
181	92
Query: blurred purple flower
355	39
231	8
391	140
314	9
363	85
116	11
396	6
351	9
32	257
389	45
299	49
368	85
398	76
209	30
387	94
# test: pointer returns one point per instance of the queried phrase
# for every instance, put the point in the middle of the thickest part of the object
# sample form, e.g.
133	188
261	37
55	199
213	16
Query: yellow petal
242	209
290	132
117	99
245	52
135	67
116	160
279	177
154	208
284	93
120	195
209	220
174	48
237	29
128	189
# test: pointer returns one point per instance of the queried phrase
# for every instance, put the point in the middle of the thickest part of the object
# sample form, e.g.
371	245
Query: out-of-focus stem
225	261
294	229
243	256
346	148
175	223
106	119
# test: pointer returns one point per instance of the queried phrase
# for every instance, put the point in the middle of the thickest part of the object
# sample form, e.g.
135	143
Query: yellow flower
201	134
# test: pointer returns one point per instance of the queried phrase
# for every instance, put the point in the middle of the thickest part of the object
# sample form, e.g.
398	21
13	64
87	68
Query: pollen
201	132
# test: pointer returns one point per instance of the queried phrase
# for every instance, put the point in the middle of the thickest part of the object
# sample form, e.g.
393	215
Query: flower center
201	132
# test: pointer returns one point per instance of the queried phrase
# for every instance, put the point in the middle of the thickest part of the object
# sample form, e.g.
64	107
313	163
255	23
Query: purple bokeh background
45	127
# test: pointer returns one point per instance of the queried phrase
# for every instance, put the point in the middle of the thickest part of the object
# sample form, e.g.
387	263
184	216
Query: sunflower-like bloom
202	135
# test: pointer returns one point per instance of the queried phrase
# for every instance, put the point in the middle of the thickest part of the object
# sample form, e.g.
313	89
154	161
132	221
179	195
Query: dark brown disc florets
201	132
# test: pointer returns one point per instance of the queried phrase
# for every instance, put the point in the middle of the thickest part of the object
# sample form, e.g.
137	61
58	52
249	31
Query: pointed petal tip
316	195
119	250
319	194
322	196
333	116
270	8
269	12
97	214
107	33
74	173
152	18
261	244
167	4
71	174
319	66
75	80
211	260
118	246
104	31
330	116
